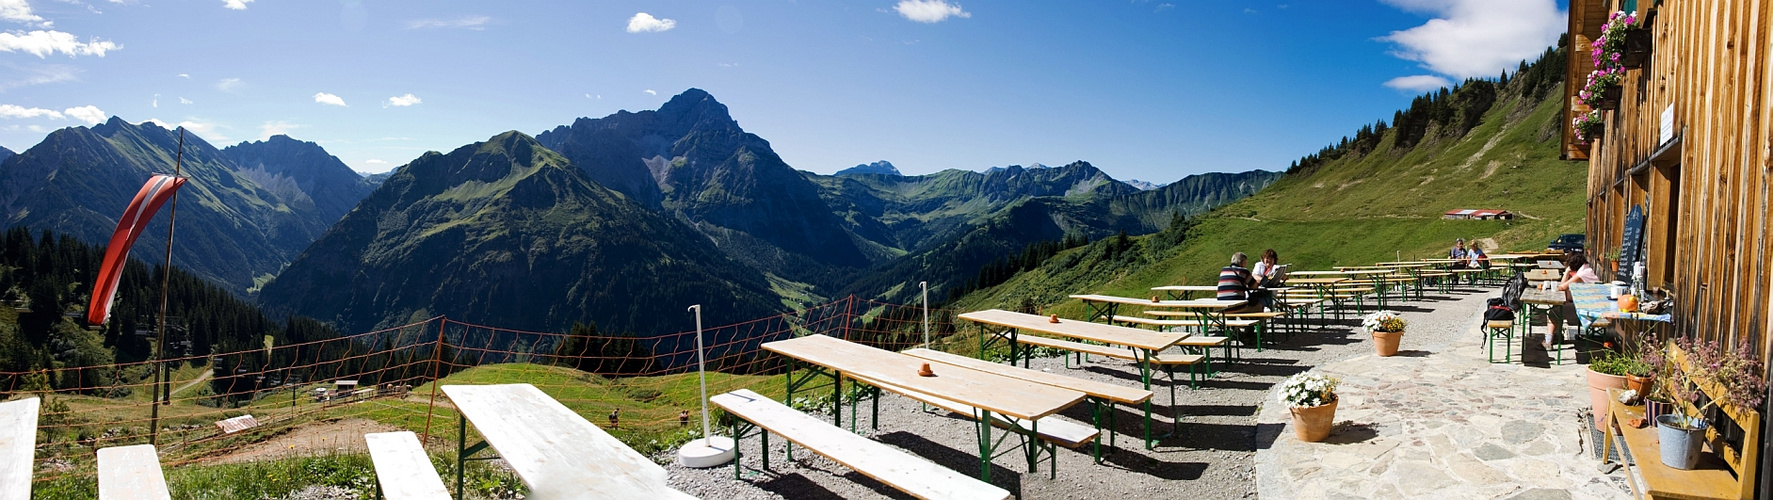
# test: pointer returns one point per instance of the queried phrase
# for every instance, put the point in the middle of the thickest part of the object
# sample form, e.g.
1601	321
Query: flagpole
162	381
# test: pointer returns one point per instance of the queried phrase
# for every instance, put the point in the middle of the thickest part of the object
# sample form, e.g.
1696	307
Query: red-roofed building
1470	214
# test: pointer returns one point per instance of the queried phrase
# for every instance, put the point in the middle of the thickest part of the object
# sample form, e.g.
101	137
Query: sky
1153	90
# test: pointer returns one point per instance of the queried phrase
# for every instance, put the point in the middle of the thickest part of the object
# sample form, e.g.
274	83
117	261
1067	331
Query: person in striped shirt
1236	283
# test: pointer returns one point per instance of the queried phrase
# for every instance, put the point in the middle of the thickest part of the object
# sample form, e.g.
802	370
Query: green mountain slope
1360	202
508	233
231	229
979	230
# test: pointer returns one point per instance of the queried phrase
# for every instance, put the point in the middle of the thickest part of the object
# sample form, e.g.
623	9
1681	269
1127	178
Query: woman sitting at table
1577	270
1267	271
1236	283
1476	259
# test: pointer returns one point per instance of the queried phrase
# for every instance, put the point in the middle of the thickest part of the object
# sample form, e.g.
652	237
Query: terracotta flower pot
1598	383
1312	424
1385	343
1636	383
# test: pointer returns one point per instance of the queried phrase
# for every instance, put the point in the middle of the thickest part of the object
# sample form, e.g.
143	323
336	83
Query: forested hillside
46	283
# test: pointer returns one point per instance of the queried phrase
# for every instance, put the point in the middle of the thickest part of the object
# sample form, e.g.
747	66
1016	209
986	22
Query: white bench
131	473
403	470
18	444
906	472
556	452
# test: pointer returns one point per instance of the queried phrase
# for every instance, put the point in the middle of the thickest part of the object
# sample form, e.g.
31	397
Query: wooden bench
403	470
131	473
1100	393
891	466
18	443
1225	327
1727	471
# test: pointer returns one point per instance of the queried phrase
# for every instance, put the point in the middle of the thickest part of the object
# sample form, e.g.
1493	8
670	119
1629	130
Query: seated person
1458	254
1476	259
1236	283
1577	271
1268	270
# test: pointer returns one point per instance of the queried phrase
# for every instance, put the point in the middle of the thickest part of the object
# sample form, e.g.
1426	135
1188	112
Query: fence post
436	366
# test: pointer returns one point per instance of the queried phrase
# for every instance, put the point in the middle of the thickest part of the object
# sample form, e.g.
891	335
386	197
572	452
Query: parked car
1568	243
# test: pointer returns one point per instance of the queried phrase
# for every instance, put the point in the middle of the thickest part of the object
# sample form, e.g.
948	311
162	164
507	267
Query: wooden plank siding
1708	224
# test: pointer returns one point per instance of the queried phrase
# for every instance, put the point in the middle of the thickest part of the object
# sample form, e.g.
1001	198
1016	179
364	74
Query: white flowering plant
1306	390
1383	321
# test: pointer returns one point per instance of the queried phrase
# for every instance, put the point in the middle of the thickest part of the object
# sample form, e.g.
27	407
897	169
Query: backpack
1497	310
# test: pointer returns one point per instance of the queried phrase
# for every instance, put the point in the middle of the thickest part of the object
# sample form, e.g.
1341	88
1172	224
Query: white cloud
185	101
1167	6
16	111
651	92
373	161
1477	38
589	96
404	100
236	4
43	43
275	128
1418	83
475	23
229	84
20	12
930	11
39	75
186	76
155	102
646	23
88	113
206	130
325	98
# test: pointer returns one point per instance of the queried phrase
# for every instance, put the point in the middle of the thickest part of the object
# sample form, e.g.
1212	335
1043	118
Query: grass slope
1357	209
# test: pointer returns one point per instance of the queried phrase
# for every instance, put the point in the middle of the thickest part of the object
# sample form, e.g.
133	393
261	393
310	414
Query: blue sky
1144	89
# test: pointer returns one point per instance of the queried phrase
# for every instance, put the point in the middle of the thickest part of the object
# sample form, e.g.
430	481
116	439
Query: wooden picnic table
1543	275
1145	343
556	452
985	391
1184	292
1413	263
1542	302
1550	264
1104	307
1098	393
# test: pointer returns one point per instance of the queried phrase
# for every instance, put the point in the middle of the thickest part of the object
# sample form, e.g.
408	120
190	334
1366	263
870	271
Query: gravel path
1211	456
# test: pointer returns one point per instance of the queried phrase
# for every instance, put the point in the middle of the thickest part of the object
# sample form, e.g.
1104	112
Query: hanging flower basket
1610	98
1588	126
1639	41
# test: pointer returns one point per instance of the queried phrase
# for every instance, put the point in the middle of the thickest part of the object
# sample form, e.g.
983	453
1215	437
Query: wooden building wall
1707	191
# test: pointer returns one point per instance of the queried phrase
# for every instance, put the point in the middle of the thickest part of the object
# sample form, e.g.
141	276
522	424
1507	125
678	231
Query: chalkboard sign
1632	246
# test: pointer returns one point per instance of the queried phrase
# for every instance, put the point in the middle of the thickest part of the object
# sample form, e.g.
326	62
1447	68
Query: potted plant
1589	126
1734	375
1311	397
1606	370
1388	330
1650	378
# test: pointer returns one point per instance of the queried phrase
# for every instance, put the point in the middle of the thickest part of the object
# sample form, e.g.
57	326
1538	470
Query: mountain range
236	225
616	220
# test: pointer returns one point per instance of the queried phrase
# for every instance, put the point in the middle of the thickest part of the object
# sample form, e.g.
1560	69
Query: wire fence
258	404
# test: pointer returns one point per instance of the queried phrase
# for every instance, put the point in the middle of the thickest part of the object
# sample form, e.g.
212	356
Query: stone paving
1441	422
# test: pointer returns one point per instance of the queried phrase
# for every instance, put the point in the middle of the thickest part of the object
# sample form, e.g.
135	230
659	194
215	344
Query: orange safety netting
641	389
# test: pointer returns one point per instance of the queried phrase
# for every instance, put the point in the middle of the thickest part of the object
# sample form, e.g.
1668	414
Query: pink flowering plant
1587	126
1605	54
1736	373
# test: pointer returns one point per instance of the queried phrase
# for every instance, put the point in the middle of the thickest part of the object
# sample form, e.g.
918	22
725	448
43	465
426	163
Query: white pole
926	312
702	369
